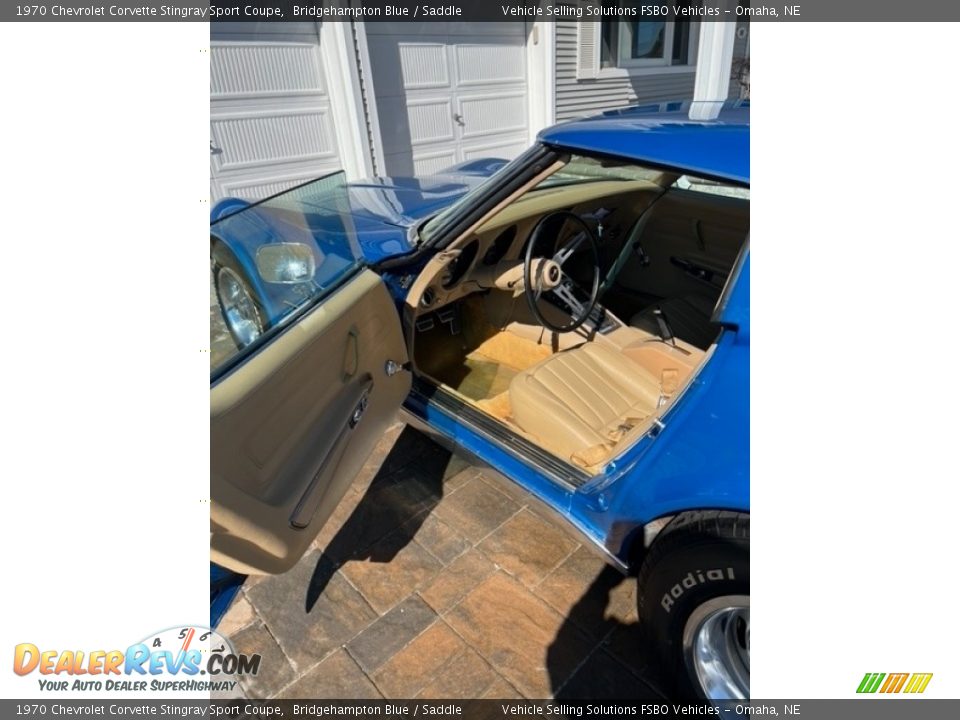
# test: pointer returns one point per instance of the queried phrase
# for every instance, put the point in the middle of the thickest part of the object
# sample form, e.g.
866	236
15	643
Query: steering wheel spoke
565	292
564	253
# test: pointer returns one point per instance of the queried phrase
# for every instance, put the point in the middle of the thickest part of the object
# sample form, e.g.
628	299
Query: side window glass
711	187
271	259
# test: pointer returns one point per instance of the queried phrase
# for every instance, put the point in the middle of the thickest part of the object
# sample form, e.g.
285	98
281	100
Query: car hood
387	210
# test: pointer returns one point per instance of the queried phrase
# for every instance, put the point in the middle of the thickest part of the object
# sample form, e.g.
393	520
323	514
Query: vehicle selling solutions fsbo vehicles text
582	11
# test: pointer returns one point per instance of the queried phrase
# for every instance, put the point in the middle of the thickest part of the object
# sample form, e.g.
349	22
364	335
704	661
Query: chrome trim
716	647
238	308
391	368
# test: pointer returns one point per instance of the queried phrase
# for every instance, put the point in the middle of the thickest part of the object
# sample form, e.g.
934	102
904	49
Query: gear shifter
666	332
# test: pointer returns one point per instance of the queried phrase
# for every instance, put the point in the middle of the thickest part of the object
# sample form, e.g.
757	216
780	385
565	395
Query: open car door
308	370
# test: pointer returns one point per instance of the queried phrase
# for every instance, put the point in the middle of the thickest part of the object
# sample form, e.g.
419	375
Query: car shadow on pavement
406	488
621	666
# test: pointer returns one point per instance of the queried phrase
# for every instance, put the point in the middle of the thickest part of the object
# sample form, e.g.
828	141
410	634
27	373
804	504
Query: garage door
448	92
270	121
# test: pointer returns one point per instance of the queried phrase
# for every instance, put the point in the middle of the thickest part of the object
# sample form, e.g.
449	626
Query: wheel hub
240	312
716	647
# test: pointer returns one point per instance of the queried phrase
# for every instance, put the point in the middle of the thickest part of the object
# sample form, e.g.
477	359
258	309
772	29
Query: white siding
577	97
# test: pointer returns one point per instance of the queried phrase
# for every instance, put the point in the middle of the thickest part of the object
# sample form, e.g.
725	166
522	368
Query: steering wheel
544	272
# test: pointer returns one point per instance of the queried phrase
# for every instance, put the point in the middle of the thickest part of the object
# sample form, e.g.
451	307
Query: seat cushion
689	318
578	403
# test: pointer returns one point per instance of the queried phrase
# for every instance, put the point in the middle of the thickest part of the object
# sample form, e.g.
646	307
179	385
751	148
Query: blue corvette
577	318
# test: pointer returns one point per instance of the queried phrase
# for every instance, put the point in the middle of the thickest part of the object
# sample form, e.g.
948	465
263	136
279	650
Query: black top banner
426	11
658	709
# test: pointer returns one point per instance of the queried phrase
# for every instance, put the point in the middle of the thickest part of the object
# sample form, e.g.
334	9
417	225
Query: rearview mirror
286	263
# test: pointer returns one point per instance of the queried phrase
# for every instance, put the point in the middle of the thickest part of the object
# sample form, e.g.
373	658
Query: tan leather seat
579	403
689	318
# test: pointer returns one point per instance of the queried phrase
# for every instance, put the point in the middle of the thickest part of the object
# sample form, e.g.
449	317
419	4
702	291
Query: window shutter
588	48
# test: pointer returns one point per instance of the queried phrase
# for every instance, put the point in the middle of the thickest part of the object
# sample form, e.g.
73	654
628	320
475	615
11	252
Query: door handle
351	355
693	269
215	150
458	119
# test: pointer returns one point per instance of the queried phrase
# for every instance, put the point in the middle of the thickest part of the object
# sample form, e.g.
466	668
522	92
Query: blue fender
242	238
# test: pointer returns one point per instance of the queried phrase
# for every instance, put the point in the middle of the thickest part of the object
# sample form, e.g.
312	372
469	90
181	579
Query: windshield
434	225
578	169
581	169
274	257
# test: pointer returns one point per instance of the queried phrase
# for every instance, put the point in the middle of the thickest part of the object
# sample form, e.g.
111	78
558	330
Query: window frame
318	293
627	65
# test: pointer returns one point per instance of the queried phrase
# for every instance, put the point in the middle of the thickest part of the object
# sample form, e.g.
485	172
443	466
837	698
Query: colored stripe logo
894	683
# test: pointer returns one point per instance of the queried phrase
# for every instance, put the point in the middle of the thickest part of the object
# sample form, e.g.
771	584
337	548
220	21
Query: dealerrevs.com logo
181	659
910	683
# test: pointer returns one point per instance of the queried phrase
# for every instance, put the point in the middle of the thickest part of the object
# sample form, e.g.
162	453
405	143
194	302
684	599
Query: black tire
698	566
221	258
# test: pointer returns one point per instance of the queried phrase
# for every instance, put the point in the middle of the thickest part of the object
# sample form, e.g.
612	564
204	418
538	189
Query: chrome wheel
240	312
716	647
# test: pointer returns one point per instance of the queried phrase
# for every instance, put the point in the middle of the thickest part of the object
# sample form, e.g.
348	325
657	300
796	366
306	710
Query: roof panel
665	135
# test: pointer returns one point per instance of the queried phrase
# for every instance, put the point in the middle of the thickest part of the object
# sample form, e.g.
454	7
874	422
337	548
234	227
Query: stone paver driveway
437	579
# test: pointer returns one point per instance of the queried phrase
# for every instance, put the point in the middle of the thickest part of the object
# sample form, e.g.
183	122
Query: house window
629	44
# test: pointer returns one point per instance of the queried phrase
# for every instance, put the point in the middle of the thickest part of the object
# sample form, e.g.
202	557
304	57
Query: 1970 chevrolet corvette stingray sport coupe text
577	319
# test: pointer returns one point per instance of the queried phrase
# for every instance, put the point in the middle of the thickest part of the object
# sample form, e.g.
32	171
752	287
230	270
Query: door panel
689	230
291	426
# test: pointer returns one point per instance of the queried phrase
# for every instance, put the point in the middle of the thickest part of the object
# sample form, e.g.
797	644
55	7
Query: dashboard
488	259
